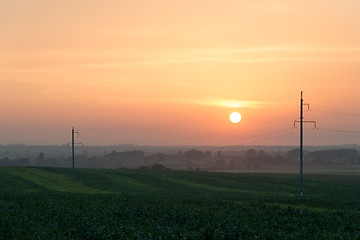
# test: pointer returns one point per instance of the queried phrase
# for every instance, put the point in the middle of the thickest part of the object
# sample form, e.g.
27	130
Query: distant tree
220	163
159	157
5	162
157	166
335	156
194	154
6	154
40	157
250	153
207	155
39	160
261	153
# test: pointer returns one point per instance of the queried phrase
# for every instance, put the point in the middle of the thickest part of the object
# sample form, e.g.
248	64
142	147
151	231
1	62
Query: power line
193	137
339	130
261	137
275	137
339	113
332	91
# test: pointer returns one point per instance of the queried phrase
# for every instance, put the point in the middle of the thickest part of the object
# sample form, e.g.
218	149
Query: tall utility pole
73	150
301	138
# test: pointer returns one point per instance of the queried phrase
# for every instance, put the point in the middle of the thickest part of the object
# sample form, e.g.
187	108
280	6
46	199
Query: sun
235	117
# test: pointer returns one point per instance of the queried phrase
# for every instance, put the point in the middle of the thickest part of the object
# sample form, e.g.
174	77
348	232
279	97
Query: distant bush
335	156
157	166
144	168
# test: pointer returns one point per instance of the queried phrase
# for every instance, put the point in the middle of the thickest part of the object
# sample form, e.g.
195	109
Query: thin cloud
219	102
251	60
215	102
261	54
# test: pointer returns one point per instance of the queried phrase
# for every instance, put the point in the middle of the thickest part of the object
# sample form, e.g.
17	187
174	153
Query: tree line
191	160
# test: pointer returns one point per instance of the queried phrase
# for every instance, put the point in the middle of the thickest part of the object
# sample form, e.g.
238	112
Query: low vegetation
208	159
44	203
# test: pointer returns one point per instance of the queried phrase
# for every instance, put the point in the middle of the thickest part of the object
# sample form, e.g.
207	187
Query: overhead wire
337	113
339	130
342	114
194	137
261	136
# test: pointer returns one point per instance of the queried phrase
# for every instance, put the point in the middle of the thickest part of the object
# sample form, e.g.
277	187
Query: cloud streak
251	54
220	102
261	54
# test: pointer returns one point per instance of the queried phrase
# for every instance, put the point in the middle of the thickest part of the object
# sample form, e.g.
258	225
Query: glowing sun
235	117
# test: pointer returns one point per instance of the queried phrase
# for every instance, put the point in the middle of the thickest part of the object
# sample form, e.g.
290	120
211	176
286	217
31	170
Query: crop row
54	215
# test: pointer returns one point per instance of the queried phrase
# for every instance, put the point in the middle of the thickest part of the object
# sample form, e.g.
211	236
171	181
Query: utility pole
73	143
301	138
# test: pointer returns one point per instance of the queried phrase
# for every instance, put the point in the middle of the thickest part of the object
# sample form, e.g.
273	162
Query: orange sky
170	72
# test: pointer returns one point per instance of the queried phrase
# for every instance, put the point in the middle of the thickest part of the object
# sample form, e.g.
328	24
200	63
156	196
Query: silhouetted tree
157	166
194	154
5	162
250	153
335	156
261	153
207	155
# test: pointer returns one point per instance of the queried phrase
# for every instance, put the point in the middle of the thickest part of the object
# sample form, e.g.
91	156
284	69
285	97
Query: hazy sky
170	72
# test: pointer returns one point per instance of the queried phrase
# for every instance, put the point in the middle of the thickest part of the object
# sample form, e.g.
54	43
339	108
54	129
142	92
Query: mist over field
193	158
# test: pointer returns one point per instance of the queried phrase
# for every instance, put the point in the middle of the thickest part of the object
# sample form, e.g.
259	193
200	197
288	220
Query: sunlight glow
235	117
238	104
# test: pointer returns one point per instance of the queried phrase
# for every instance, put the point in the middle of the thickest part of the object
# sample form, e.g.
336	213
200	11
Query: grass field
44	203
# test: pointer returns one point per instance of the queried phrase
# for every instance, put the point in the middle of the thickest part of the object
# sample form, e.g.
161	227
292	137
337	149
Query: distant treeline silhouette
192	159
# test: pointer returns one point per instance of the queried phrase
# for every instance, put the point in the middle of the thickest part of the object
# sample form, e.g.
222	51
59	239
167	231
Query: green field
44	203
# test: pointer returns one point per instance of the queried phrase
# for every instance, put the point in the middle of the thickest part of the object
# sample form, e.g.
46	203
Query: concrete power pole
301	121
73	143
